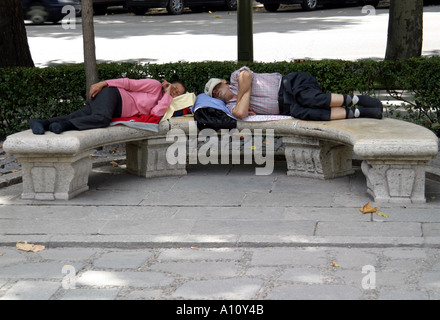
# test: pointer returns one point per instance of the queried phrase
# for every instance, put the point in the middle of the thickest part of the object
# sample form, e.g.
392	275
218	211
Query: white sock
355	100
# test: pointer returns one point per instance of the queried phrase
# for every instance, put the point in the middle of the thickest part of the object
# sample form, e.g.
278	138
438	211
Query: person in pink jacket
118	98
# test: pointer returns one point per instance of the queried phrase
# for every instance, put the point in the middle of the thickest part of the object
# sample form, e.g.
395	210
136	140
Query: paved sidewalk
221	232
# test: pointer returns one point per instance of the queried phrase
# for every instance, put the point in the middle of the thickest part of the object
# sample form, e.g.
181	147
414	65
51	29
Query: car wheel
37	14
175	7
309	4
231	4
271	7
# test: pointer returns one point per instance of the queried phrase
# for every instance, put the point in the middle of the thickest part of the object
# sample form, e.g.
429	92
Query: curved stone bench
395	154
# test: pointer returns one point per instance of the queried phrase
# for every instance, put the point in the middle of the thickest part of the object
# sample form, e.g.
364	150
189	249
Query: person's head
177	89
219	88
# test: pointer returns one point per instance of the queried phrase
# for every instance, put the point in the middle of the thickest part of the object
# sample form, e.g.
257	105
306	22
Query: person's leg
338	113
345	107
100	112
337	100
97	113
40	126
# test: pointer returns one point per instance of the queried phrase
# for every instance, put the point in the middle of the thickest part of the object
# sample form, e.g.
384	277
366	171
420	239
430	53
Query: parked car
100	6
177	6
40	11
273	5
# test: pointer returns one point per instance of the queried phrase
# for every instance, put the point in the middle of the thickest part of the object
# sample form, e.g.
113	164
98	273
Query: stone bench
395	154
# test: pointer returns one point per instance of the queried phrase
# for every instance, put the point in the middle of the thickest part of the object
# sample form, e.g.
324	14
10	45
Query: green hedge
46	92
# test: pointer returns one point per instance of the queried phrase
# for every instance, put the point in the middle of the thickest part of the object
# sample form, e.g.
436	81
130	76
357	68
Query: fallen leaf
334	264
368	209
194	248
29	247
114	164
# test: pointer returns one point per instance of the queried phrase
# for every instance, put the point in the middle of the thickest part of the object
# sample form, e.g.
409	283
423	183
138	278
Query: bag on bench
212	113
212	118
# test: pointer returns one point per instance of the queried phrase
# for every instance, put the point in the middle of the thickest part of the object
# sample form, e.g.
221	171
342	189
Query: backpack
212	118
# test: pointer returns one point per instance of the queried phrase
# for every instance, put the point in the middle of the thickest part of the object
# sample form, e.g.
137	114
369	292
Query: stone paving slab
193	273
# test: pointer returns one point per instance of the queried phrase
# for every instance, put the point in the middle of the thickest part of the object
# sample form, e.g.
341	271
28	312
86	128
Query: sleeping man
297	94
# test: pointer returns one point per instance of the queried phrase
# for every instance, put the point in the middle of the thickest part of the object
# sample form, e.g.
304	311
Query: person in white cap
297	94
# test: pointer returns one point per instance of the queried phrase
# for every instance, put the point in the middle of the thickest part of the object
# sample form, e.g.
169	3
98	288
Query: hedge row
46	92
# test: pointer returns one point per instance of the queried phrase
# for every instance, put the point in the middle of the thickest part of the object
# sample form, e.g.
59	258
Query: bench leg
396	182
147	158
55	178
309	157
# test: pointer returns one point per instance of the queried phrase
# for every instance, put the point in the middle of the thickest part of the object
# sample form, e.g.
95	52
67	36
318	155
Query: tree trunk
405	29
14	47
91	68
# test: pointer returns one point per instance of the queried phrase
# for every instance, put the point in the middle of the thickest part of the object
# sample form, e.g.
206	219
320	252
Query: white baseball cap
210	85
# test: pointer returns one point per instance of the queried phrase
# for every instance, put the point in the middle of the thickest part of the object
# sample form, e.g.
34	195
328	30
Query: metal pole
245	30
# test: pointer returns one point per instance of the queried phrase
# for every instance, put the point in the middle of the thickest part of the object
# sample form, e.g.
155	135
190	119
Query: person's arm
96	88
241	110
133	85
162	105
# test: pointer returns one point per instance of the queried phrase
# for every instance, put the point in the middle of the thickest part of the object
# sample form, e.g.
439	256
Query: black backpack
212	118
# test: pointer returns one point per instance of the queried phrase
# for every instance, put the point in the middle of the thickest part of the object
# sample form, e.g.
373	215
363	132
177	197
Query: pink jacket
141	97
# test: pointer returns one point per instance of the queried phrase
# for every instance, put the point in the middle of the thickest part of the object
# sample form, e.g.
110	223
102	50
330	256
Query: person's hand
251	112
170	88
96	88
166	86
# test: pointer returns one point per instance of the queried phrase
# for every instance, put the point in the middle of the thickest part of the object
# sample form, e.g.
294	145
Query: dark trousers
302	97
97	113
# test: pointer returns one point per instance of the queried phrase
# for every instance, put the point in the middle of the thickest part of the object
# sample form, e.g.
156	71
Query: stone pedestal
310	157
55	178
147	158
396	181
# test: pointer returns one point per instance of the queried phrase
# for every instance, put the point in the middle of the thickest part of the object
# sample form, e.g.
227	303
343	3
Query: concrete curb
220	241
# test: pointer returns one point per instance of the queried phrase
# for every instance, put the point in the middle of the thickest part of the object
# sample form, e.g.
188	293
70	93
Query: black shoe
60	127
39	126
369	102
374	113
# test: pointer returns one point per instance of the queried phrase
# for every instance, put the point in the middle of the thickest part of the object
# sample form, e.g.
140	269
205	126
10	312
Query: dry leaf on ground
29	247
114	164
368	209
